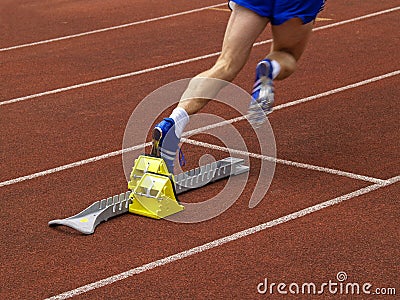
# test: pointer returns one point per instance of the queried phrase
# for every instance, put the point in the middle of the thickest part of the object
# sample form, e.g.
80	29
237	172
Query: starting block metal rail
209	173
142	189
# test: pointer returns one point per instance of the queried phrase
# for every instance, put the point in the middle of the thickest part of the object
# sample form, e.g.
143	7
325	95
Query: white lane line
163	18
219	242
360	18
110	28
173	64
198	130
286	162
378	13
299	101
72	165
107	79
338	90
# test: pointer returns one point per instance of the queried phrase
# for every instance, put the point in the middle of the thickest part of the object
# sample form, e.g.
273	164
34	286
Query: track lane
104	55
357	237
108	54
33	21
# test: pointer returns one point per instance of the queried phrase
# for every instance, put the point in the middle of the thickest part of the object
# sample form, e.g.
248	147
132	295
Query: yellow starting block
153	189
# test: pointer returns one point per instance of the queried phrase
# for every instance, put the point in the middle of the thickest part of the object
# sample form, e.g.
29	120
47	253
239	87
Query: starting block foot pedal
100	211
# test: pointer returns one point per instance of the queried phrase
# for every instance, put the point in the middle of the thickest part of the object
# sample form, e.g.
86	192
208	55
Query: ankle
181	119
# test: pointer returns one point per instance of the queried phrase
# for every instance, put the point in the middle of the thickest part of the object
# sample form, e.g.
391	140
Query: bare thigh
243	28
291	37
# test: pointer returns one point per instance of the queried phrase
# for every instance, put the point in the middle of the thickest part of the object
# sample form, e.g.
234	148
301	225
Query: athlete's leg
243	28
289	42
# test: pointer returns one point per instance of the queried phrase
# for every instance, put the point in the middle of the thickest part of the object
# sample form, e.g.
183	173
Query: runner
291	23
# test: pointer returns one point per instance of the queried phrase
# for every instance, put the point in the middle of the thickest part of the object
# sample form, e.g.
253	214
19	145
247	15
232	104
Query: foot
262	94
165	142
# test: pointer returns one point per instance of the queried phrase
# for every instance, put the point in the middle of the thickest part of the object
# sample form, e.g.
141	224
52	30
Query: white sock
181	118
276	68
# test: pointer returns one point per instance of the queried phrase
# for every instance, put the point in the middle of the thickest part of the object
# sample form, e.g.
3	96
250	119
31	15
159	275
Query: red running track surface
355	129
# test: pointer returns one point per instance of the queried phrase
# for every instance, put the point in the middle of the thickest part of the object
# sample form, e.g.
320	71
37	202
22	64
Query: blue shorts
280	11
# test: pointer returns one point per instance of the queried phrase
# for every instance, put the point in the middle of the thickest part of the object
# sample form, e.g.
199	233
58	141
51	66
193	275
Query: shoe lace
182	160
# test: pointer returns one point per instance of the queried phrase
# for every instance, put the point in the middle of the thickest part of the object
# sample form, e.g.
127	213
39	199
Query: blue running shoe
165	142
262	94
